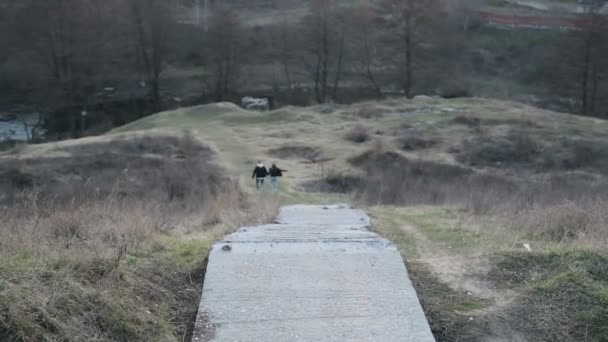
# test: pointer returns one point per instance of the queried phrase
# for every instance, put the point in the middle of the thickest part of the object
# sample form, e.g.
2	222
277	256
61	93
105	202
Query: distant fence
531	22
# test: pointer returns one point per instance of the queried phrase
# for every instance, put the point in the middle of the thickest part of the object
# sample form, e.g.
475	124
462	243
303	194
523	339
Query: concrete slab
317	274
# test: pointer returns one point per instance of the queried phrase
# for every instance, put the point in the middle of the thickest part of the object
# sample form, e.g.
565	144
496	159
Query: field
498	208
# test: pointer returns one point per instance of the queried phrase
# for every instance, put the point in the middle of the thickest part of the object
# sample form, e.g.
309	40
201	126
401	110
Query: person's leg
257	184
274	183
261	184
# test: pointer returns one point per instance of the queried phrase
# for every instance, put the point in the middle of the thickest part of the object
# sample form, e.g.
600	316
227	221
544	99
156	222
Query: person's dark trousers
259	183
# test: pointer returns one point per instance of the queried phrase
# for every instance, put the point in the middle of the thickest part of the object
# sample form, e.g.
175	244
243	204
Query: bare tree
325	37
409	33
366	53
284	50
68	35
152	23
225	51
580	67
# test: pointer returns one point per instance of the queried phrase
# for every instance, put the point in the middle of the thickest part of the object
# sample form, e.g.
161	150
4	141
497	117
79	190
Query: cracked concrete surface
317	274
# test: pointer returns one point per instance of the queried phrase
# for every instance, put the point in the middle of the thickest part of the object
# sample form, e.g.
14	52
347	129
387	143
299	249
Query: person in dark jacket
275	173
259	173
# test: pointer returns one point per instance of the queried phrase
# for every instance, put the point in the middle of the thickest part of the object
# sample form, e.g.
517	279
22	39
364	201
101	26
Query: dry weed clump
370	111
305	152
124	263
467	120
412	142
334	182
565	210
84	228
516	147
583	222
564	296
391	178
158	166
358	134
112	269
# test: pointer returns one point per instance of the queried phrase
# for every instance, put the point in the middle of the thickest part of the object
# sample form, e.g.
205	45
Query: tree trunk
585	77
324	61
407	87
367	60
338	76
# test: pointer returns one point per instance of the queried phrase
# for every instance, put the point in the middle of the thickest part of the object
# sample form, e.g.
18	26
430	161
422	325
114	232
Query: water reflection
15	127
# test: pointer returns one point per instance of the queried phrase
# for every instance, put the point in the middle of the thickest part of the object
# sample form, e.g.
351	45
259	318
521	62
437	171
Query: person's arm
254	171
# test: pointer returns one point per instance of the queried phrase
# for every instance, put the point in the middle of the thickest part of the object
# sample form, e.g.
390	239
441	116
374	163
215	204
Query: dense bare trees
151	23
366	52
580	65
225	50
70	40
323	52
411	33
71	50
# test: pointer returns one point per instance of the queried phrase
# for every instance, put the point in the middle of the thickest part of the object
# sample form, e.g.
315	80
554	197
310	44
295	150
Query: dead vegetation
391	178
167	167
564	293
124	263
335	183
370	111
560	283
515	147
519	148
358	134
308	153
412	142
467	120
512	177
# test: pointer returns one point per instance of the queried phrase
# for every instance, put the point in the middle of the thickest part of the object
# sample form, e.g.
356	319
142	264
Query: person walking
275	173
259	173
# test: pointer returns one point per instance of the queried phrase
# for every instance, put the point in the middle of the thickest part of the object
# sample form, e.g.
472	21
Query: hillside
497	207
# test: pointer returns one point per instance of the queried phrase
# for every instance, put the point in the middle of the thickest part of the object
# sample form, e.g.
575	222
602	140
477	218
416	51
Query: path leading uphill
317	274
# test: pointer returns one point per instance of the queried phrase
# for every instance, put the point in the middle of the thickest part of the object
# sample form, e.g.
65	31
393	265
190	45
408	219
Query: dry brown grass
583	223
555	209
174	167
497	206
122	265
358	134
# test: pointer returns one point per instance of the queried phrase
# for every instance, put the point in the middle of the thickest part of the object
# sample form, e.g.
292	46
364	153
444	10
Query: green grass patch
387	222
183	118
565	292
447	311
152	295
443	226
266	118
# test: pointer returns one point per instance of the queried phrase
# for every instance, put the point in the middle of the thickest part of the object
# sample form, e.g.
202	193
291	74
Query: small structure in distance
255	103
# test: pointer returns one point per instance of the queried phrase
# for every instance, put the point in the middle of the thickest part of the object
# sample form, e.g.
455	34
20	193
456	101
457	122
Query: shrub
571	154
515	148
358	134
390	178
369	111
410	142
114	264
335	183
174	167
565	298
454	91
467	120
296	152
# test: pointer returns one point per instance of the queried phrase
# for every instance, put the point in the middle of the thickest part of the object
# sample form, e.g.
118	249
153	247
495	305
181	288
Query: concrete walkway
318	274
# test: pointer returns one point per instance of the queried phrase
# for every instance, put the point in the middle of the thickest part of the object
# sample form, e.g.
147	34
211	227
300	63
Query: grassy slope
452	254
